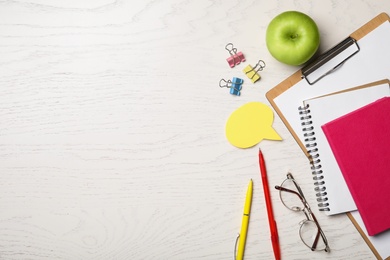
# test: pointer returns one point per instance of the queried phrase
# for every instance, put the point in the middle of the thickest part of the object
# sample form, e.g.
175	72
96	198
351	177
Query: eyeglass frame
306	210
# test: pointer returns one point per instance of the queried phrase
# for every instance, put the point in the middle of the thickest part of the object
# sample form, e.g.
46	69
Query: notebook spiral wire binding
311	146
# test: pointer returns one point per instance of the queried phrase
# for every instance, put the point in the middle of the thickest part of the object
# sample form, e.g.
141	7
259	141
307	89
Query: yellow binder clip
253	72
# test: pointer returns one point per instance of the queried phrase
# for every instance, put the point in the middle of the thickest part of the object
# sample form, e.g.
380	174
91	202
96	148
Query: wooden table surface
112	130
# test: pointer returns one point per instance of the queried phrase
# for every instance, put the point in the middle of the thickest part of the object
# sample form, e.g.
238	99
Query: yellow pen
245	222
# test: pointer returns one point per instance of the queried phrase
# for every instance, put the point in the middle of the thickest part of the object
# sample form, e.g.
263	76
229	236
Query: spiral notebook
360	143
332	191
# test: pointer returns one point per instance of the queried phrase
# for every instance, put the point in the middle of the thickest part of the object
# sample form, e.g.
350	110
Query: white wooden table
112	130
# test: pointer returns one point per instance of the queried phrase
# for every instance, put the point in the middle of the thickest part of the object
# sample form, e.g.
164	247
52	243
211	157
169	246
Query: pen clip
235	247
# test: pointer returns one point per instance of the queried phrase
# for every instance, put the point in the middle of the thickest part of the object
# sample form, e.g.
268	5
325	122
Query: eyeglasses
310	231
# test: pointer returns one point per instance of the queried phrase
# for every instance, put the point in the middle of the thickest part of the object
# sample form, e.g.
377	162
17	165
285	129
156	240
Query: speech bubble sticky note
250	124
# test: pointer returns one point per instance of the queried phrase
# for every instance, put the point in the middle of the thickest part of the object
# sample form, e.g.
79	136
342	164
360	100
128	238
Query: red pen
271	219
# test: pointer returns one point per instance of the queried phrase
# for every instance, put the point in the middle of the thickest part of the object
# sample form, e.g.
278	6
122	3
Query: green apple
292	38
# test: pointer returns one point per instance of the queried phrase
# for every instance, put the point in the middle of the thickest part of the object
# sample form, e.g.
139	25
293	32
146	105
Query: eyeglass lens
311	236
291	200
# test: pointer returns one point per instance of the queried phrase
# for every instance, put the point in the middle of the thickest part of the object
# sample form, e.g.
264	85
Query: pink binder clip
235	57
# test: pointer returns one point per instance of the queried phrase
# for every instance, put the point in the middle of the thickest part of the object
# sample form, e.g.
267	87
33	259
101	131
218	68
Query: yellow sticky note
251	73
250	124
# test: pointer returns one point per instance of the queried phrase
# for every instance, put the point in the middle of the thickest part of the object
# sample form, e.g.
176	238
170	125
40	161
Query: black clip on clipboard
330	60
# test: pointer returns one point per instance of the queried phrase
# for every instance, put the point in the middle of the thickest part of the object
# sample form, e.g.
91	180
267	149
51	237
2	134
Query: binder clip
253	73
235	85
235	57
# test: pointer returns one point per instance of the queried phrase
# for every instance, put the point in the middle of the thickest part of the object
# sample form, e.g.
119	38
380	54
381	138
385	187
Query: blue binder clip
235	85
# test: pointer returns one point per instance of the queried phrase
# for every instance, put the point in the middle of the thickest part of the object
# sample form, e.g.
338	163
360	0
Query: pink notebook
360	142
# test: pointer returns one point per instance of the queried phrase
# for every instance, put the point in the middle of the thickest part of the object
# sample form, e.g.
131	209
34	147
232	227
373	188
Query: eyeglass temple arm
319	232
291	191
291	177
303	200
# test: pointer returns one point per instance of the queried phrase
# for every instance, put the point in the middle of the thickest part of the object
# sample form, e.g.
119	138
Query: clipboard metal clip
330	61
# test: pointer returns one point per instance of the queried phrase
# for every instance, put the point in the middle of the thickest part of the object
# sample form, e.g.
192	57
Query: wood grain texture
112	130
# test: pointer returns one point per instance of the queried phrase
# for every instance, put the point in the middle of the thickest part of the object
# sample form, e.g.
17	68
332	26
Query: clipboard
351	42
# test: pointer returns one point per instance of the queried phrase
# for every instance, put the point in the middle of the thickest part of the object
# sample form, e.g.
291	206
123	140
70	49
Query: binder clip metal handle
230	48
260	65
225	83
